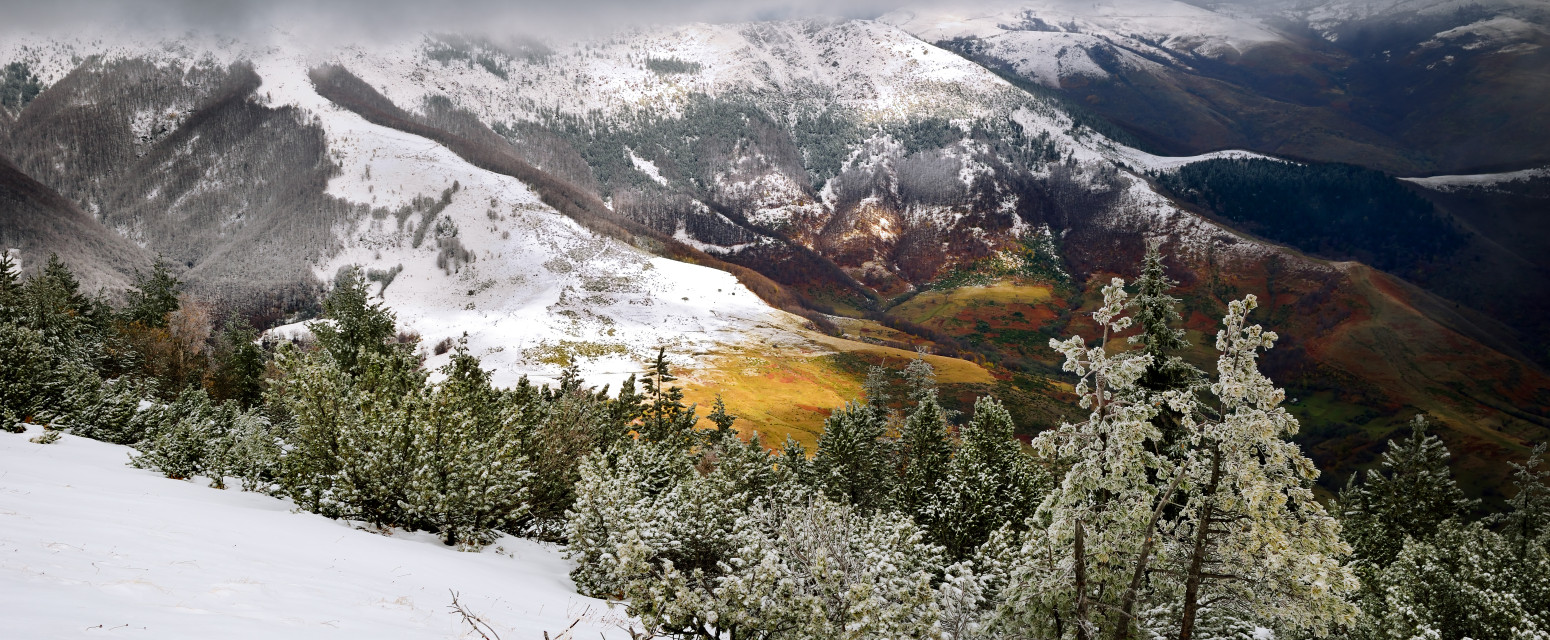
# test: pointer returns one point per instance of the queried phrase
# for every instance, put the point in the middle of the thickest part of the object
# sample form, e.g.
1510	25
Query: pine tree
1241	490
1248	490
357	324
665	418
990	483
925	452
718	416
381	442
875	388
239	363
315	400
919	380
1156	311
1527	520
471	478
178	434
1465	581
853	463
153	297
1411	493
10	283
1100	519
25	369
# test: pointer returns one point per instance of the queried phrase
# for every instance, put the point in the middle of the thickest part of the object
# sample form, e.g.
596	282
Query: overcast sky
395	17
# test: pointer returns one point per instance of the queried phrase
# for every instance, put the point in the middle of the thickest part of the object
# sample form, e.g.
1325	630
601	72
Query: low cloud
391	18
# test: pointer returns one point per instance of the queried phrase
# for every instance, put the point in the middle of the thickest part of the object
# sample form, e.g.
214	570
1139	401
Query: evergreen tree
925	451
1411	493
1527	520
1077	570
239	364
919	380
718	416
854	463
25	370
313	399
990	483
665	418
112	412
1464	581
472	479
382	442
1243	490
1247	490
875	388
178	434
153	297
357	323
10	283
1156	311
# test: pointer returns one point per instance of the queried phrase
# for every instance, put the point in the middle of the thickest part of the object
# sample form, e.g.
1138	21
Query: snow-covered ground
1451	183
1144	161
1045	39
90	547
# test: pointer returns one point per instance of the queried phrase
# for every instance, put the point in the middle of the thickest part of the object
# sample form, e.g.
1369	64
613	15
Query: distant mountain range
781	203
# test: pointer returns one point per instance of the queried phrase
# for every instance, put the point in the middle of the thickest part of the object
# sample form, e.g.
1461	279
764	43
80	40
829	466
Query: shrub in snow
22	377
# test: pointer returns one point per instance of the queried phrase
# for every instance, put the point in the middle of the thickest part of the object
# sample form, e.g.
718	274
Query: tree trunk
1127	603
1198	554
1083	625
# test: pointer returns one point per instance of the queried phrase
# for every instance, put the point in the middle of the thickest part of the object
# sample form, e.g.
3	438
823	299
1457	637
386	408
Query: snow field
90	547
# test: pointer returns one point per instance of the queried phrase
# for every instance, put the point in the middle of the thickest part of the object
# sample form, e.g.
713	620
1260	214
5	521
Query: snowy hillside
1051	40
1486	180
90	546
458	249
532	289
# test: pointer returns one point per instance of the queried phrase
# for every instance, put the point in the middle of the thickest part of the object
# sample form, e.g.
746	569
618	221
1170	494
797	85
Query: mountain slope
90	545
36	221
531	195
1404	87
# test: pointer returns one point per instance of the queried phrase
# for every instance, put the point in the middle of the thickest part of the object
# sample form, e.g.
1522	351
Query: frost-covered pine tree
1097	523
990	483
1111	536
718	416
178	436
25	369
315	401
471	479
1465	581
153	297
875	388
381	439
925	449
854	462
1156	312
1410	493
1251	536
665	418
1527	520
354	321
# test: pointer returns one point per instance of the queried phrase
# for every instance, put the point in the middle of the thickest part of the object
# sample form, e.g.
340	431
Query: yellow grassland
782	392
936	307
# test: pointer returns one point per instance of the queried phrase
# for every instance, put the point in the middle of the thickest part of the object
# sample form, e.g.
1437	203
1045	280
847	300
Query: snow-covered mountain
923	156
734	191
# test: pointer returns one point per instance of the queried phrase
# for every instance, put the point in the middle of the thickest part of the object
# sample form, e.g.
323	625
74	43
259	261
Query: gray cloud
388	18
